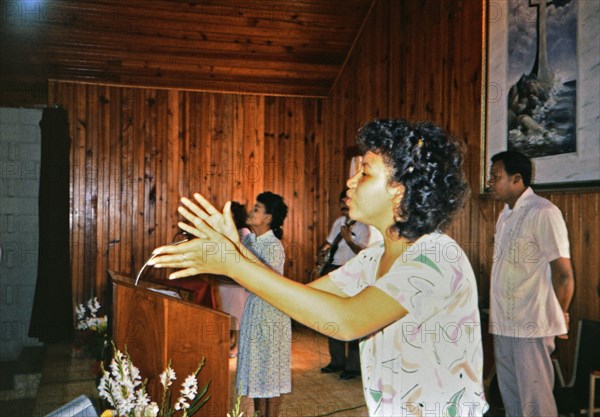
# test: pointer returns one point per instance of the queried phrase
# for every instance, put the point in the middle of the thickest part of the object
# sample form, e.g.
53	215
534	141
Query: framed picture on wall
541	88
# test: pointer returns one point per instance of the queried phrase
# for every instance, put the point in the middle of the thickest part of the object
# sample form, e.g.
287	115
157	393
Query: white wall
20	146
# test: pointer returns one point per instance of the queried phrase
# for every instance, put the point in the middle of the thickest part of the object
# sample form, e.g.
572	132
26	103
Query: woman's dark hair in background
239	214
274	206
516	163
428	163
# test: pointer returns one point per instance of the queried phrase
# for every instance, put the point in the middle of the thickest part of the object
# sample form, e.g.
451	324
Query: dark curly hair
276	207
428	163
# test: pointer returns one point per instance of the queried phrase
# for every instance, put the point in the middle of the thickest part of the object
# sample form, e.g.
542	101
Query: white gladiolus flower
87	316
106	389
167	377
181	404
190	387
143	399
144	408
80	312
93	306
151	410
121	385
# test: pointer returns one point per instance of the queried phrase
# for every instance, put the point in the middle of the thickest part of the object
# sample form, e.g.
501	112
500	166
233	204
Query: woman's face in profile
371	198
258	216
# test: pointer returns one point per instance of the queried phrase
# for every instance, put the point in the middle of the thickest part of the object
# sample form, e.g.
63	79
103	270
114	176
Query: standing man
346	238
531	288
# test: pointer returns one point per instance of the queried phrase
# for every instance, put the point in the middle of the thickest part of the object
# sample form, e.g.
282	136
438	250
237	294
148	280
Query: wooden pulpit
157	328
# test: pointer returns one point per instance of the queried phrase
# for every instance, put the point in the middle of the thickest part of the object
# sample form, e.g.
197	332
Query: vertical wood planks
136	152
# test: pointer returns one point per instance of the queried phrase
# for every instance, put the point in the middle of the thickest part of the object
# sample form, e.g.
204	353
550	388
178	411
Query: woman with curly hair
411	298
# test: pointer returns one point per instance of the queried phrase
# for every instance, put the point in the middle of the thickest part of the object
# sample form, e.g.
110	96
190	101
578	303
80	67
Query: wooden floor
314	393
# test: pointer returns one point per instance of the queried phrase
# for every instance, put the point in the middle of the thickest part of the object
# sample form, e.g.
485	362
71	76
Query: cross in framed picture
542	87
541	100
542	68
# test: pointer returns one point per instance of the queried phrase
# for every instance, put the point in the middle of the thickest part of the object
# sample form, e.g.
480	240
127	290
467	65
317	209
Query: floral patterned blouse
430	362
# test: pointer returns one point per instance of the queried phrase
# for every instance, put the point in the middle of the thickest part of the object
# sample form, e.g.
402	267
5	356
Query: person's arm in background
325	246
322	251
564	285
356	236
329	239
554	239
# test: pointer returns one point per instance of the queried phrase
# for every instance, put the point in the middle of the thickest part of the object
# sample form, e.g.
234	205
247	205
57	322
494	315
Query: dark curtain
52	317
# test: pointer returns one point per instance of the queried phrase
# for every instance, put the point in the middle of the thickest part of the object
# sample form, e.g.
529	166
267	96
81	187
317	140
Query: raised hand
220	222
210	252
215	244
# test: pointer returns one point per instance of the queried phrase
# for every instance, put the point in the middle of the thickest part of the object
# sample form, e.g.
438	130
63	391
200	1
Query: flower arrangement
122	387
92	329
87	316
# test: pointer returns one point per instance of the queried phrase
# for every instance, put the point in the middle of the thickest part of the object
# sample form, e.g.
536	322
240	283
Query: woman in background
264	368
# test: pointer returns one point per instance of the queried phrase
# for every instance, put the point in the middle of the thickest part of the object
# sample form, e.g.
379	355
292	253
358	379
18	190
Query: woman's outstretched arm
319	308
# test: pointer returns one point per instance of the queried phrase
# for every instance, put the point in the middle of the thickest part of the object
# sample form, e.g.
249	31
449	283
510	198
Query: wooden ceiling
275	47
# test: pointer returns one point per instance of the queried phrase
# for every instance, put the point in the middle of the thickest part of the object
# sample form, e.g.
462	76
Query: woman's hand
211	253
215	244
206	213
197	256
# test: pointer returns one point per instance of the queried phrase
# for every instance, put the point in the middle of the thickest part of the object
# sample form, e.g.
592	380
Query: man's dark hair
516	163
428	163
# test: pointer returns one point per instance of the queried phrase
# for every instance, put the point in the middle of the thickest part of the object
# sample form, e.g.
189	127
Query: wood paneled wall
135	152
421	60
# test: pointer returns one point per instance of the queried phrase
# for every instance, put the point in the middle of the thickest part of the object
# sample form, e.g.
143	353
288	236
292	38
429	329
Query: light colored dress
264	364
430	362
